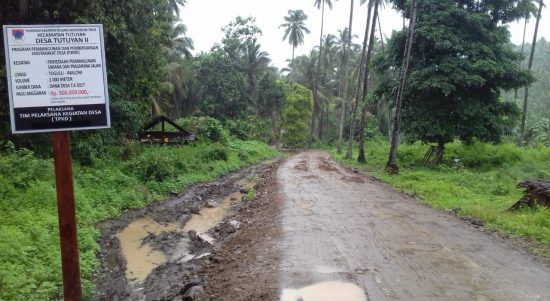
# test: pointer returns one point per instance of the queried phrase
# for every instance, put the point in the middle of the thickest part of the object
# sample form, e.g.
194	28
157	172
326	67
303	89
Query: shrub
205	128
239	128
252	128
157	166
485	156
372	130
88	146
215	153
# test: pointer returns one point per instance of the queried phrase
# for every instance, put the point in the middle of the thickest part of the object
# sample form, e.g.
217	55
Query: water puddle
208	218
325	291
137	249
141	258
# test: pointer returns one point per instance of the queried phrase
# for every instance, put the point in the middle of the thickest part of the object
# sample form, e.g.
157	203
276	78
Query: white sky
205	18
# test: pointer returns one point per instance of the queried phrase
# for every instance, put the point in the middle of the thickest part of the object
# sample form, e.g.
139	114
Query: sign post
57	82
67	216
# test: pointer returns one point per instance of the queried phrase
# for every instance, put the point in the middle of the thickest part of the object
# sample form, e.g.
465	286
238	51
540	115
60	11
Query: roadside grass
30	265
483	185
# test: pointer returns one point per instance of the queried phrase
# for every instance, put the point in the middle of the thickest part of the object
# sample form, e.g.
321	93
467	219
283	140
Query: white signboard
57	78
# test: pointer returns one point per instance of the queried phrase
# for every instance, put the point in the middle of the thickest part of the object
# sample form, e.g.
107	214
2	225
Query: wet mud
155	253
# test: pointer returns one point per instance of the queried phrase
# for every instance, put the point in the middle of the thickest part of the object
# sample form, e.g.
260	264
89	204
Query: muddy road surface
341	236
316	231
156	253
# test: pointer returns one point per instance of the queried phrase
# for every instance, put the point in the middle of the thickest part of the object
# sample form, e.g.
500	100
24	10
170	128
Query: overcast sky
205	18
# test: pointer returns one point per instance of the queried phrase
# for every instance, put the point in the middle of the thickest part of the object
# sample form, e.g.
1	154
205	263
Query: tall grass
30	267
482	185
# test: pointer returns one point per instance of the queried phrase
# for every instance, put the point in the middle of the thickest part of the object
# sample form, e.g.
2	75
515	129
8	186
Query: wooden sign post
67	216
57	82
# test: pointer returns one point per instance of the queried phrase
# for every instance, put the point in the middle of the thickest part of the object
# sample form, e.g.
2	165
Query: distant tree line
443	77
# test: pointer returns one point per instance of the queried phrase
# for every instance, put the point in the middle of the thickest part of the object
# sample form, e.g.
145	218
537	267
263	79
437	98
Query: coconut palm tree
295	28
320	4
328	61
343	93
361	157
175	6
328	83
343	58
530	12
530	65
252	62
302	69
175	87
180	44
391	165
357	89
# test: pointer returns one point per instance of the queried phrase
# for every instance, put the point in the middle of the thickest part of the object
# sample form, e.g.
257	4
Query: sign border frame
10	88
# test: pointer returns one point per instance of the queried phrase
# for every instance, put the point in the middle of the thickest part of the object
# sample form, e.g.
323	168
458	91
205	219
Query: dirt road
343	236
316	231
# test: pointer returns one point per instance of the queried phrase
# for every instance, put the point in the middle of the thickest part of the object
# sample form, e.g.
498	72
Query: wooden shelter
149	135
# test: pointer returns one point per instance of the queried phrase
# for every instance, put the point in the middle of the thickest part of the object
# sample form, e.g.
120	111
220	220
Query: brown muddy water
141	258
208	218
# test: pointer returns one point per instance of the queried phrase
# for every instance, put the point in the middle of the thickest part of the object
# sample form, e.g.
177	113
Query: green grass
483	185
250	195
30	267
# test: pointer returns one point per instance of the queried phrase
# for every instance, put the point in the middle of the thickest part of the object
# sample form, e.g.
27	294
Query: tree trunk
440	153
381	34
345	95
341	120
315	112
321	122
293	48
389	123
276	117
548	137
361	158
526	95
327	123
391	165
522	47
349	150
